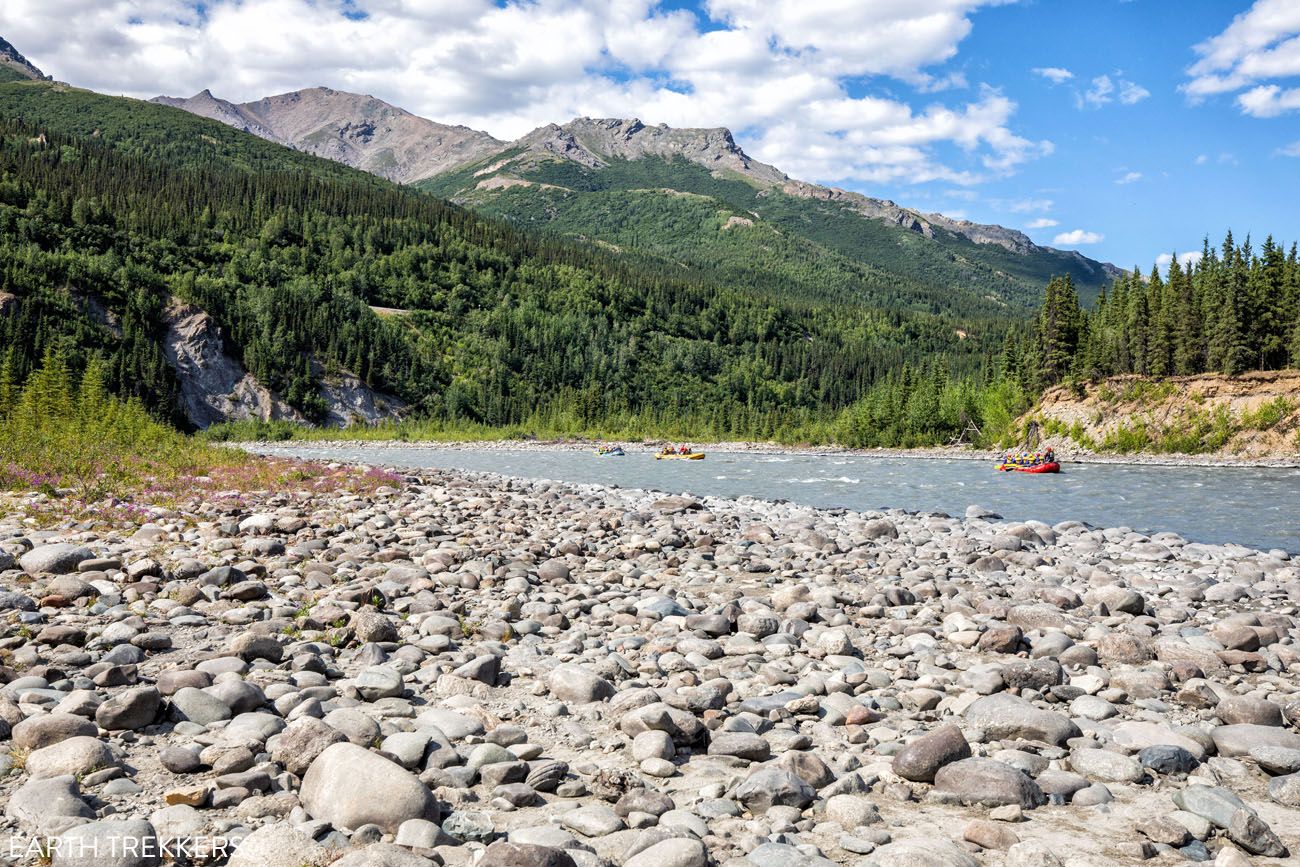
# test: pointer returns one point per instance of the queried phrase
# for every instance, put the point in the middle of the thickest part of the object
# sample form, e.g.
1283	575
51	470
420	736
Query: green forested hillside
680	211
118	206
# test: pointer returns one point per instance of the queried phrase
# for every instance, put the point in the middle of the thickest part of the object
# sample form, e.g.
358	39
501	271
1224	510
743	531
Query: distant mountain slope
359	131
222	275
14	66
541	178
620	182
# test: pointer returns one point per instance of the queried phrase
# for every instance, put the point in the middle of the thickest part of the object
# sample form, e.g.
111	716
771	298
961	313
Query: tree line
1233	309
100	234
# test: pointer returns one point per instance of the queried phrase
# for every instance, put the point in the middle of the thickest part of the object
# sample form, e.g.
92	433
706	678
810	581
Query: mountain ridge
16	65
337	120
354	129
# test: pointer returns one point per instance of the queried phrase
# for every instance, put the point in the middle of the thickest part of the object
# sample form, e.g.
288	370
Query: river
1254	507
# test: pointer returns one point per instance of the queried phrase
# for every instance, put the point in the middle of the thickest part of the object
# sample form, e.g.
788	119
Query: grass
92	459
1268	415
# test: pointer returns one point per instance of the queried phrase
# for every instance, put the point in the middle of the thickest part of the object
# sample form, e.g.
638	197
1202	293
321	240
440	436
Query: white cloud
1186	260
1269	100
1077	237
1042	223
1291	150
775	71
1128	178
1105	90
1022	206
1202	159
1132	94
1054	74
1260	45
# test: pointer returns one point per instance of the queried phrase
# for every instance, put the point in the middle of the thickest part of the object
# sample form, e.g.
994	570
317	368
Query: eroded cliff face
1255	415
350	401
215	387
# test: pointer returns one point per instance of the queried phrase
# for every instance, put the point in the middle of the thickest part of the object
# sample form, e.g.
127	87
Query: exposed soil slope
1255	415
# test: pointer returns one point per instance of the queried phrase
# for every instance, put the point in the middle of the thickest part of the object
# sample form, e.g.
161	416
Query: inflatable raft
1047	467
692	456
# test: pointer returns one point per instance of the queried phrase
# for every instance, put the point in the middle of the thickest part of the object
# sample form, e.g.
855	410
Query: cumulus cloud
1269	100
1291	150
1132	94
803	84
1261	44
1186	260
1042	223
1077	237
1104	90
1129	178
1054	74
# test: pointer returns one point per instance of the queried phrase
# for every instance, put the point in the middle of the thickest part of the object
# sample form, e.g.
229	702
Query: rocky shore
472	670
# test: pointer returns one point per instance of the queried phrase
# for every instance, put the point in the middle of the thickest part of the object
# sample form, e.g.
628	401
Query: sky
1126	129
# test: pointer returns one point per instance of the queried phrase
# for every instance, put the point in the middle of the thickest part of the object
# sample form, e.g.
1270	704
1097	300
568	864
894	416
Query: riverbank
1066	450
572	674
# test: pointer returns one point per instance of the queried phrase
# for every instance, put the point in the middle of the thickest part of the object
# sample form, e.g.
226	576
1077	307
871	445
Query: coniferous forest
111	210
103	224
1232	310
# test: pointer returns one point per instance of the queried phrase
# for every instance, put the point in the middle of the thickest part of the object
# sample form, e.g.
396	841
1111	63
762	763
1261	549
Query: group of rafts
1014	462
678	453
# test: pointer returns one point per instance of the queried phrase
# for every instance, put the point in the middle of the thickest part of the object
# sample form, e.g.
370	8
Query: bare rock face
11	58
204	104
356	130
214	386
350	401
593	142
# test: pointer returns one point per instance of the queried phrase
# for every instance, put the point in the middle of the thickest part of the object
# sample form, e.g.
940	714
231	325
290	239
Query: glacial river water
1255	507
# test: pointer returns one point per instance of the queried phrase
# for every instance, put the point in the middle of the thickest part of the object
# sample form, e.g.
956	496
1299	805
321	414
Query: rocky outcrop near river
215	387
1253	416
473	670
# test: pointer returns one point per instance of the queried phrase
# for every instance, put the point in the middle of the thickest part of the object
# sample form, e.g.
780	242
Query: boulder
349	786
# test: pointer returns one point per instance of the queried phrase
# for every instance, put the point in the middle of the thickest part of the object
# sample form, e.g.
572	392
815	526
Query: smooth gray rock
59	558
988	783
279	845
1002	716
40	804
348	787
76	756
1214	803
195	705
109	843
574	683
38	732
769	787
920	853
130	709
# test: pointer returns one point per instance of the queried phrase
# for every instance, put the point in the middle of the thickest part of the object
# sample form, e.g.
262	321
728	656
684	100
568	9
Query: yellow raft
692	456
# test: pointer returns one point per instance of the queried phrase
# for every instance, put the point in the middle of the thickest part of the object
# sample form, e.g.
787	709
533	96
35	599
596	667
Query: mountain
563	177
221	275
359	131
13	66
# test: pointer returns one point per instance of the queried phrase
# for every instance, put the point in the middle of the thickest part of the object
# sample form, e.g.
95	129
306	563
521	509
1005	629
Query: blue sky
1204	168
1122	128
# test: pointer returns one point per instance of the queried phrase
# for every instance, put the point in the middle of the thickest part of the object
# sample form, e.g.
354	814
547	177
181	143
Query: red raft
1048	467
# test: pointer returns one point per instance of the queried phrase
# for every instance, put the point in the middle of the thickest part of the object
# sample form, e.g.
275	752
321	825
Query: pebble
472	670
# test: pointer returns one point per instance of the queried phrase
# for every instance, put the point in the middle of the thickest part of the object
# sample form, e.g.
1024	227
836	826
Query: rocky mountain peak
593	142
12	58
352	128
